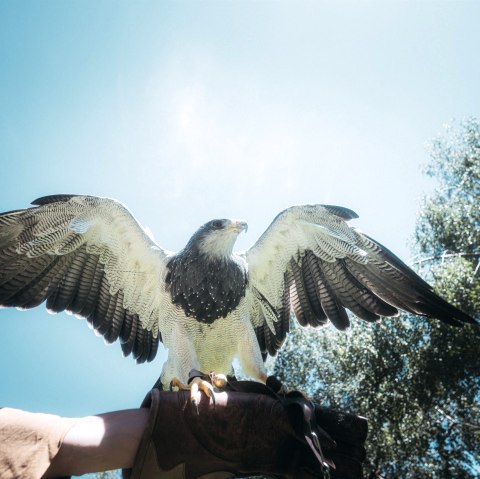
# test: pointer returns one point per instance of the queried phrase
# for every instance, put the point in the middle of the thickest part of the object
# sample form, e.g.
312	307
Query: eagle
207	303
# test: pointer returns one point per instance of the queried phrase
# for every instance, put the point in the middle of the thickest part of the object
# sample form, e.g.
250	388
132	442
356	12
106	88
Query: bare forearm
100	443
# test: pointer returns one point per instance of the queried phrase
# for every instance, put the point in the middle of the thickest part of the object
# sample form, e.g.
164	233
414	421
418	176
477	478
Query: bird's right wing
88	256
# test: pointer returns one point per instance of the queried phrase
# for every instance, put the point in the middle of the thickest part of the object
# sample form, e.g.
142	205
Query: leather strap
301	412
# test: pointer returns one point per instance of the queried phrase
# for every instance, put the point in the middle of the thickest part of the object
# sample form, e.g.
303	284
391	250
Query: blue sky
187	111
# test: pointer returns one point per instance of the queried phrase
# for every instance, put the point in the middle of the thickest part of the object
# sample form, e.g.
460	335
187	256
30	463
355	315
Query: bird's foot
218	380
200	382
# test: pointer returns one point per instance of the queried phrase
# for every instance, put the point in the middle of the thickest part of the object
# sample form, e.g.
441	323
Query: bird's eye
217	224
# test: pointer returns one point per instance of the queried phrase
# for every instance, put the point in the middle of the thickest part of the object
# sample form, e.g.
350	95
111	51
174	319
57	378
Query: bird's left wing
310	260
88	256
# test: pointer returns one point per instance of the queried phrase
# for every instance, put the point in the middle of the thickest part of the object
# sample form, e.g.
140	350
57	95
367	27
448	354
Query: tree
416	380
105	475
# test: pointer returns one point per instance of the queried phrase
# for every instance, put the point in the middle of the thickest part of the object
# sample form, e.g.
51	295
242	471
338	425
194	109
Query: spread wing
88	256
310	260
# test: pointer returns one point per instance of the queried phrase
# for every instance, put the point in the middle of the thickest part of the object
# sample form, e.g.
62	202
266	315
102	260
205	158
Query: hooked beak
239	226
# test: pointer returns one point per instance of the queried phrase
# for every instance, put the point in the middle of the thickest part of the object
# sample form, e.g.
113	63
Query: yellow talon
194	394
196	384
176	383
218	380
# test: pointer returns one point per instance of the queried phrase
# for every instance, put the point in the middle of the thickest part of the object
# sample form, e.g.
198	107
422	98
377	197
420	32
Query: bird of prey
207	304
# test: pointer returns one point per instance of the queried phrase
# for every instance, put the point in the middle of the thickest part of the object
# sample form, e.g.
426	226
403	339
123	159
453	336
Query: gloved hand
249	431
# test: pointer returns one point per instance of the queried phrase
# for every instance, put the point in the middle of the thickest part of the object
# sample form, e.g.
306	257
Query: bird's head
217	237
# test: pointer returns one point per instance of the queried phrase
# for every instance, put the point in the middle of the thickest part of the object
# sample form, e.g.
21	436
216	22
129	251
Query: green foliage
105	475
416	380
450	219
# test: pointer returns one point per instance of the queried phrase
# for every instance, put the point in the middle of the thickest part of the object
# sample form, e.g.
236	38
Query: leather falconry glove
250	430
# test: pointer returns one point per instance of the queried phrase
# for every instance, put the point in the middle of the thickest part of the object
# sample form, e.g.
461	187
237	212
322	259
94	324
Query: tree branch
445	255
454	422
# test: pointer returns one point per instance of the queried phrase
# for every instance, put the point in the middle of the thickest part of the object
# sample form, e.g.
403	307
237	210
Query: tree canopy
415	379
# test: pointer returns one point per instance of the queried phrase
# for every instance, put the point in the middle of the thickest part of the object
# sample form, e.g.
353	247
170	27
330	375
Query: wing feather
304	311
126	329
331	305
86	281
16	280
128	342
311	264
100	319
343	289
32	292
330	268
92	284
359	293
88	256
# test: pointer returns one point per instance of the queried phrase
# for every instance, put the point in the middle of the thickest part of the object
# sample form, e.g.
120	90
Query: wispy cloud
218	132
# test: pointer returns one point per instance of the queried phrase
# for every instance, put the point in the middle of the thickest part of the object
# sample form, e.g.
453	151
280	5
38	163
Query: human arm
100	443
